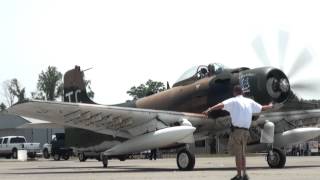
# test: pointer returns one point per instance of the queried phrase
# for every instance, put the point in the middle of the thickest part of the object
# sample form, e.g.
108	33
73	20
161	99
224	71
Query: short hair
237	90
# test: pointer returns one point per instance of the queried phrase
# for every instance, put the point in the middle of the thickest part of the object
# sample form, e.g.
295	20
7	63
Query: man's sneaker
236	178
245	177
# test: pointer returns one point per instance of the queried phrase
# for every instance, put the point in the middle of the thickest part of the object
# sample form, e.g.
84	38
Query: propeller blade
168	85
306	86
303	59
307	89
260	50
283	43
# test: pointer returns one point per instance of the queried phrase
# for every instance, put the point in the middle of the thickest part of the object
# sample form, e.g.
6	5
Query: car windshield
214	68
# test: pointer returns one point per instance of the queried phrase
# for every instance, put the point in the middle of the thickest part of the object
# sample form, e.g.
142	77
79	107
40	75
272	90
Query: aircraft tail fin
75	88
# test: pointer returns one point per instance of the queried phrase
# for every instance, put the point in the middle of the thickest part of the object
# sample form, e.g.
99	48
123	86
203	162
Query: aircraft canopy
199	72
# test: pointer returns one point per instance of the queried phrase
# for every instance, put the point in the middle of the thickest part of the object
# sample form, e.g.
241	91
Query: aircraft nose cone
278	86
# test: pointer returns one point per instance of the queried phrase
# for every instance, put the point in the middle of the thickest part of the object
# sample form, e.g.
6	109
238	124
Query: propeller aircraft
173	118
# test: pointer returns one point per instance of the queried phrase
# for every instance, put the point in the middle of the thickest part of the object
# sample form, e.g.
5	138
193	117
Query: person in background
153	154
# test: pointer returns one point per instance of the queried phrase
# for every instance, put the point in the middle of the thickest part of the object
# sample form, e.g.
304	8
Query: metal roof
10	121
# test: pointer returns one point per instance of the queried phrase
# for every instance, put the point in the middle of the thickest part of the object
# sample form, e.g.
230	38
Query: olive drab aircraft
173	118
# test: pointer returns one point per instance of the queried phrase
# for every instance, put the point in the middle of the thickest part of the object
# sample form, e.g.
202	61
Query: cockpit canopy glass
199	72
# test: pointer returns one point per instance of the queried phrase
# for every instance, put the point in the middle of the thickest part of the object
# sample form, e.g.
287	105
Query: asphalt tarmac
220	168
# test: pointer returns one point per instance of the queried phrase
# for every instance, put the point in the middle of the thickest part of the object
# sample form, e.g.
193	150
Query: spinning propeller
303	59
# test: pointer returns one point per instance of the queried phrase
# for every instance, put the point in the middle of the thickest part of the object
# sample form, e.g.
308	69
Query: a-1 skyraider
172	118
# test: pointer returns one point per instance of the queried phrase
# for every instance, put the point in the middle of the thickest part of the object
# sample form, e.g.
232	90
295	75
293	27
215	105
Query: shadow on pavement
132	169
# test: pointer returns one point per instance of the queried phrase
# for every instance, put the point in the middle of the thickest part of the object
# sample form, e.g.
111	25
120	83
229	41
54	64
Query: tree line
50	88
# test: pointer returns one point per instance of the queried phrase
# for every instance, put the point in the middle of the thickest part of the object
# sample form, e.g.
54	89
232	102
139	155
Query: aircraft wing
117	121
283	120
130	122
287	118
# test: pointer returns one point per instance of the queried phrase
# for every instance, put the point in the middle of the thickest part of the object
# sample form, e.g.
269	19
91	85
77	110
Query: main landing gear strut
275	157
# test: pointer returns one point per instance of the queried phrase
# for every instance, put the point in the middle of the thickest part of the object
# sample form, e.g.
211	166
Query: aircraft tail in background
75	88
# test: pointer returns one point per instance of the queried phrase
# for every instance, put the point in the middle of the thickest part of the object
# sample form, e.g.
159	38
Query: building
9	126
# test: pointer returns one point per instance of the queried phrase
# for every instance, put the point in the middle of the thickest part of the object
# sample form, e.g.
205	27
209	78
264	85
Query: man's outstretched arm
215	107
266	107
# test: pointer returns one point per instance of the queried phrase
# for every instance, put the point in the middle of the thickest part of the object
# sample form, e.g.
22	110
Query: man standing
241	110
153	154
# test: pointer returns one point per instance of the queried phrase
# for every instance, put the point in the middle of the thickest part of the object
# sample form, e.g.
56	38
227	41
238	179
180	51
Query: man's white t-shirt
241	109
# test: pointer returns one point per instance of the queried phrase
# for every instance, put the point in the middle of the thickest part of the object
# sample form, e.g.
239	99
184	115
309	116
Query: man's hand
277	106
267	107
206	112
273	106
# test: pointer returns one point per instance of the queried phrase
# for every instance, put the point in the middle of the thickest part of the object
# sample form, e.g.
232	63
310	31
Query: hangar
9	127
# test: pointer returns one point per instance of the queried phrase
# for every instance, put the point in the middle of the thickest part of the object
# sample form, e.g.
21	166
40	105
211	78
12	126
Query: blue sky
128	42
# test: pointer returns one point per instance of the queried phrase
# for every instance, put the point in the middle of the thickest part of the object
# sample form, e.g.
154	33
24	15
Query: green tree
50	83
16	90
89	90
38	95
2	107
12	90
7	94
149	88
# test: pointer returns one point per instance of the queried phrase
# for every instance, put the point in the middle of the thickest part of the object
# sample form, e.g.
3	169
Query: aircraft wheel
105	161
56	157
46	154
82	157
185	160
276	159
123	158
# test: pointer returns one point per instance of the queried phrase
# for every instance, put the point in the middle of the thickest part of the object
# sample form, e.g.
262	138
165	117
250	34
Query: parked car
9	146
57	148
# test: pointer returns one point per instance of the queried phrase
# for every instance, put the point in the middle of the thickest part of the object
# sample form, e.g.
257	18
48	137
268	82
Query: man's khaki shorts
237	144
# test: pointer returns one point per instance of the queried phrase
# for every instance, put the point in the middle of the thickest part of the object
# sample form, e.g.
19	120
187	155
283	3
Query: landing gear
82	157
276	158
185	160
104	161
122	158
